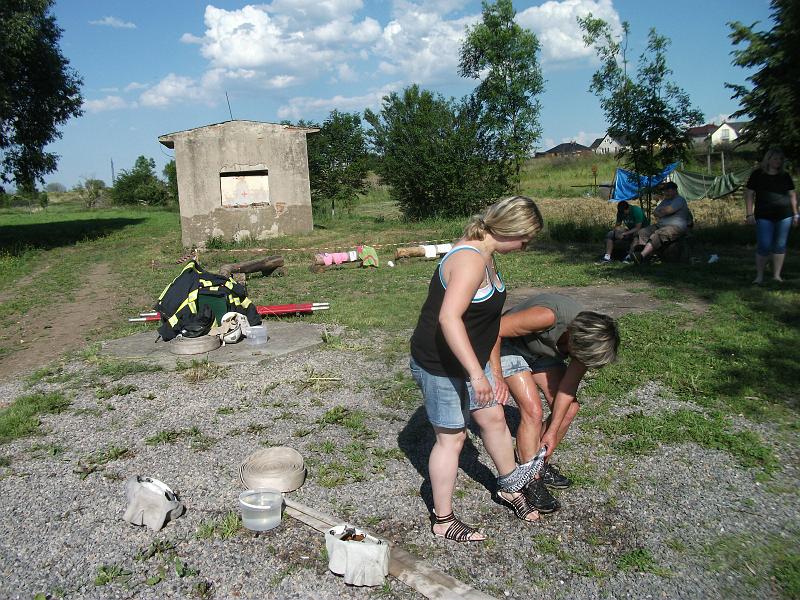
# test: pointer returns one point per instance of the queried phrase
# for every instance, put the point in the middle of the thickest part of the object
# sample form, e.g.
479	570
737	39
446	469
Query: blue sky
152	66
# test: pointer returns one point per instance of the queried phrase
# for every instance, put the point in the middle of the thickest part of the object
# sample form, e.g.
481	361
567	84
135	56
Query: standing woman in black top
774	213
457	331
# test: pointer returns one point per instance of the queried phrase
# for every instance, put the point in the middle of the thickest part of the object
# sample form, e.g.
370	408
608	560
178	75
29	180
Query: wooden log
413	251
265	265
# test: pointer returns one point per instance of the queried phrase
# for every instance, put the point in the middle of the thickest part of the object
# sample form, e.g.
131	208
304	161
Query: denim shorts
513	362
448	400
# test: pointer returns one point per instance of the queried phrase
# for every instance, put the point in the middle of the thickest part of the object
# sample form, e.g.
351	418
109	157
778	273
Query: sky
152	67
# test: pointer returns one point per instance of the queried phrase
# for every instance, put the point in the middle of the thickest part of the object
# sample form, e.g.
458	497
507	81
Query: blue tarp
628	184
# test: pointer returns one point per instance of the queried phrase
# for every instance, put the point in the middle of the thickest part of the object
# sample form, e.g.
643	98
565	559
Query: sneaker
627	260
554	478
604	260
539	497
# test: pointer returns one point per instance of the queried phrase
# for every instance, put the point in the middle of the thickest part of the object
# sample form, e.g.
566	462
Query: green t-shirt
635	215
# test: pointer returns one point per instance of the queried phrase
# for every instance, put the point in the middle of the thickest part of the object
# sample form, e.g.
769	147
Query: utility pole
113	178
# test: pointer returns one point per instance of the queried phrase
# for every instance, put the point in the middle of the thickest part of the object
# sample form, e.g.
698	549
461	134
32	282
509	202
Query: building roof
168	138
597	142
567	147
737	126
702	130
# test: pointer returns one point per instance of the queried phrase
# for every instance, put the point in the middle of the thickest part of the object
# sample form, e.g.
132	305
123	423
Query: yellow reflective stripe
189	265
229	284
246	302
173	320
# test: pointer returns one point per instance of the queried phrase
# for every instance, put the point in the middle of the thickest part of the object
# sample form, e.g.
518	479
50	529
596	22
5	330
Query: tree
503	56
171	174
39	91
140	185
337	161
773	102
432	155
90	191
55	187
651	114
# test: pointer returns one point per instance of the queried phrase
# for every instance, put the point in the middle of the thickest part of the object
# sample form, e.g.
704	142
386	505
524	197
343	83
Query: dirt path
42	339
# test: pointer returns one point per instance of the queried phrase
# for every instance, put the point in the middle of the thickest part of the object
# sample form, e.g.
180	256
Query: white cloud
555	24
720	118
420	43
188	38
135	85
113	22
345	72
107	103
281	81
174	88
109	90
306	13
301	107
583	138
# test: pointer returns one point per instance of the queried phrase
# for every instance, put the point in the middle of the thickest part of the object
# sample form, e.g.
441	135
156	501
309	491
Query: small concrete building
241	179
608	145
728	132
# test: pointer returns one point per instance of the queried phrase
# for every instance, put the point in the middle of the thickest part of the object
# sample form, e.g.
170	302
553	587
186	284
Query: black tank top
481	320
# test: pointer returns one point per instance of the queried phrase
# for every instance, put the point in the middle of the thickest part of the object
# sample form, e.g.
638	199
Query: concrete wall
202	154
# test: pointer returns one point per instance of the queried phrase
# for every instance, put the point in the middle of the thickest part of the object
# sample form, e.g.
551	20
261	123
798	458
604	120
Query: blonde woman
456	333
771	203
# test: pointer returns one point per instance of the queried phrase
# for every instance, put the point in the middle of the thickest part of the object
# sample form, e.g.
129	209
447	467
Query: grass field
736	360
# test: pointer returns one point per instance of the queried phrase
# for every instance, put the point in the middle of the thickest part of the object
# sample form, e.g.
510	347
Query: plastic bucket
260	509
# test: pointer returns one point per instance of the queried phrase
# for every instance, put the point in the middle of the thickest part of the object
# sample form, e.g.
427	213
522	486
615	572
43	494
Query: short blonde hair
593	339
515	216
774	151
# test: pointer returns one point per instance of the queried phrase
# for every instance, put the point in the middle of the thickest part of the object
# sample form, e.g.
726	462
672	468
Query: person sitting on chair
630	219
674	220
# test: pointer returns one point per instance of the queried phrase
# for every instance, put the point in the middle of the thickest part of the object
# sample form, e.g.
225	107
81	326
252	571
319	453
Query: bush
140	185
91	191
436	159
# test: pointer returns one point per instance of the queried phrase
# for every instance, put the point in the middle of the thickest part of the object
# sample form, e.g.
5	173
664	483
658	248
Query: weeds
641	561
117	369
98	460
197	439
638	433
108	574
317	381
117	390
199	370
226	527
22	417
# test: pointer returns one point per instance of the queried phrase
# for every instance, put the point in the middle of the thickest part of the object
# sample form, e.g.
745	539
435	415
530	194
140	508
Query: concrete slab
284	338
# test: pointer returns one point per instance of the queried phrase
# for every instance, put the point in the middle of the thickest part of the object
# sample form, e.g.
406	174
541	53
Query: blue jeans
771	236
448	400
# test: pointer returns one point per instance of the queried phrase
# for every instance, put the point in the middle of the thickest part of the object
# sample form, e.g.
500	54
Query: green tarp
694	186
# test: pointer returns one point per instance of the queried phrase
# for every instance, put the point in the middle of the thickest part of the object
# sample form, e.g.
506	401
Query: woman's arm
530	320
566	395
793	200
464	272
749	197
500	386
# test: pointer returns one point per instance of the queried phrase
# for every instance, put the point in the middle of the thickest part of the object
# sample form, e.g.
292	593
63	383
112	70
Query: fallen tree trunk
265	265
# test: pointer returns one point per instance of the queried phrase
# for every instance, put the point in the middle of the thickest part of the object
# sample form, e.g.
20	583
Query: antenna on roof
229	104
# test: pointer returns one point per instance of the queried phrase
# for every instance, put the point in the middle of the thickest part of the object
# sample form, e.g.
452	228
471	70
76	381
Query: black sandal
519	505
458	530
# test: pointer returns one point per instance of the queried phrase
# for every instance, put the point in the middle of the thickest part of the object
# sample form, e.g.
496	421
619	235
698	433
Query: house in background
701	134
608	145
566	149
241	180
728	132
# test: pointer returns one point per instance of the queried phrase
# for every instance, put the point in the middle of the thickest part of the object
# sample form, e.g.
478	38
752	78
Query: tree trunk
266	265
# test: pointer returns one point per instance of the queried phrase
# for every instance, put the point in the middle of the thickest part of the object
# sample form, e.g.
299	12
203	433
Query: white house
727	132
608	145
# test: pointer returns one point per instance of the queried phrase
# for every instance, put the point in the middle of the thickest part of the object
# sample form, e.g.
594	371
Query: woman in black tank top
451	346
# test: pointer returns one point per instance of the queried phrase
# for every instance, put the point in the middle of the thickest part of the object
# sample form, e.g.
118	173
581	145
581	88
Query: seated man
674	220
633	218
538	336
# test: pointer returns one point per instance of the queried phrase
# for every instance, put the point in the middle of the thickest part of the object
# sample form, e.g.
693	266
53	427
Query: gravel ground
365	438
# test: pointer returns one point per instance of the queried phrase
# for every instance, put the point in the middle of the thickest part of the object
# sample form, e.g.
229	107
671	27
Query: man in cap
673	221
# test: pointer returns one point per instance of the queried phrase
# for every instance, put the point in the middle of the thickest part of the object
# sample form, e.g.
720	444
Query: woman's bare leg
526	395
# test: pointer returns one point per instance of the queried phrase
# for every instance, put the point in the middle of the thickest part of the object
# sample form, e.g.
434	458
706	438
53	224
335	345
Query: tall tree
650	113
39	91
432	156
773	102
503	56
337	161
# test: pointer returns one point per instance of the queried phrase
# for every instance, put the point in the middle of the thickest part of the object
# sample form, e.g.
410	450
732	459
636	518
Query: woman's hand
500	388
750	220
482	389
795	220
